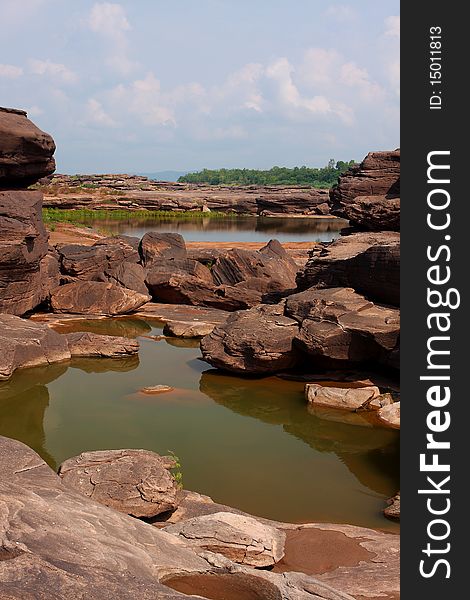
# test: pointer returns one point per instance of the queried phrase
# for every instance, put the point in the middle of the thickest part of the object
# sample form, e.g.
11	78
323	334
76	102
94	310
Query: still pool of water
227	229
248	443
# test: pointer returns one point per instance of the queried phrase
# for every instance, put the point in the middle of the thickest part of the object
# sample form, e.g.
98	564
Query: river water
248	443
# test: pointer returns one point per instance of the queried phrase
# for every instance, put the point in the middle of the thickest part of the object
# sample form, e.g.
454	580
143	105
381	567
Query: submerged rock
240	538
368	262
83	344
26	152
157	389
96	298
135	482
368	195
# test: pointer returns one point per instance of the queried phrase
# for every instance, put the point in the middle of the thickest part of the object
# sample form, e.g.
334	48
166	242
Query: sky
152	85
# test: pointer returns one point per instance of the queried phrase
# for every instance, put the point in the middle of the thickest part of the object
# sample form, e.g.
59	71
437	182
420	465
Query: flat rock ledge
240	538
350	398
57	544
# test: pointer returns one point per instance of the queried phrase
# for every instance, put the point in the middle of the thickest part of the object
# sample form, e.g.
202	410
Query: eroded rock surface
368	262
96	298
26	152
390	415
351	398
83	344
369	194
393	509
240	538
135	482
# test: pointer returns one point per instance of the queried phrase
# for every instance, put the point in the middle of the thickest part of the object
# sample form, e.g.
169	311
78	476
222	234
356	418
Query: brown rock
188	329
368	262
342	398
369	194
393	509
390	415
135	482
25	151
107	346
257	341
28	344
23	245
240	538
157	389
159	247
96	298
297	201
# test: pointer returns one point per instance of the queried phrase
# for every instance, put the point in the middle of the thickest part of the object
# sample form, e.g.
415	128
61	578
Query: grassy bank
85	217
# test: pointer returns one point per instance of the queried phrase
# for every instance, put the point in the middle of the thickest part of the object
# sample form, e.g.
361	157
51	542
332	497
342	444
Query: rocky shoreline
258	311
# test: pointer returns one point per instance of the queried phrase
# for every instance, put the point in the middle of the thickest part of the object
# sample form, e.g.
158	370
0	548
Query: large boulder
369	262
57	544
25	151
240	538
135	482
268	270
28	344
339	325
256	341
156	246
368	195
351	398
23	245
96	298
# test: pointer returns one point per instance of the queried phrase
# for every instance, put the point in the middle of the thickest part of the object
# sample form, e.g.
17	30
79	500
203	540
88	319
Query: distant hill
164	175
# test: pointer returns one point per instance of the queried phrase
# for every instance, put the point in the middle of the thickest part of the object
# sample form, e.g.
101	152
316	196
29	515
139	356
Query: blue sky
150	85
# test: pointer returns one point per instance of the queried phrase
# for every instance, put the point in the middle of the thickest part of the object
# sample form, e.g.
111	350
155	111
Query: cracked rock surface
135	482
241	538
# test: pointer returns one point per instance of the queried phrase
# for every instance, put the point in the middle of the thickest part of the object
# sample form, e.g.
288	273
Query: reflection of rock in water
102	365
125	327
370	453
31	404
24	379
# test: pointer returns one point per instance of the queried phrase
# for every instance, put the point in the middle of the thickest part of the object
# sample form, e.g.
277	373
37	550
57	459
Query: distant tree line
322	178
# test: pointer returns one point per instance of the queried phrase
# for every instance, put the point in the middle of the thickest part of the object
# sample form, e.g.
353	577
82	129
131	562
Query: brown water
227	229
248	443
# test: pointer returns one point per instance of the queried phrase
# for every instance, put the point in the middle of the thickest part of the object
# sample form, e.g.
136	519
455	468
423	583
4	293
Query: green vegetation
321	178
176	470
85	216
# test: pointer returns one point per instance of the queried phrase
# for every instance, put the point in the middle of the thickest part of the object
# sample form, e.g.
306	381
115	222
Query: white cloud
109	20
340	12
97	115
56	71
319	66
10	71
354	76
392	26
34	111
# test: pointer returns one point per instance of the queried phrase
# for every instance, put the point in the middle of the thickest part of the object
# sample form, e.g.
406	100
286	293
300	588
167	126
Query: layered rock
240	538
86	344
158	247
351	398
390	415
368	195
26	152
135	482
369	262
96	298
330	327
392	511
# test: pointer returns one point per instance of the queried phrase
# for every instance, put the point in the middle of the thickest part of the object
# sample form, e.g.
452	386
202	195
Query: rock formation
368	195
25	268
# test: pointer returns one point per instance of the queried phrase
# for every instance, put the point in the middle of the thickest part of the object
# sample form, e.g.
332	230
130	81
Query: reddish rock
25	151
86	344
369	194
369	262
155	246
96	298
23	245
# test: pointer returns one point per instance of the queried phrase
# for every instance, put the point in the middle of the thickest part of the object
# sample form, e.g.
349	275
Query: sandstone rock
188	329
135	482
23	245
297	201
269	270
179	281
393	509
50	273
25	151
107	346
367	262
368	194
155	246
28	344
240	538
390	415
157	389
129	275
340	325
257	341
95	298
342	398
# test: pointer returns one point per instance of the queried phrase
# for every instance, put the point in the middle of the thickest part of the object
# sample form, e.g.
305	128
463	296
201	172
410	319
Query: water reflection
228	229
